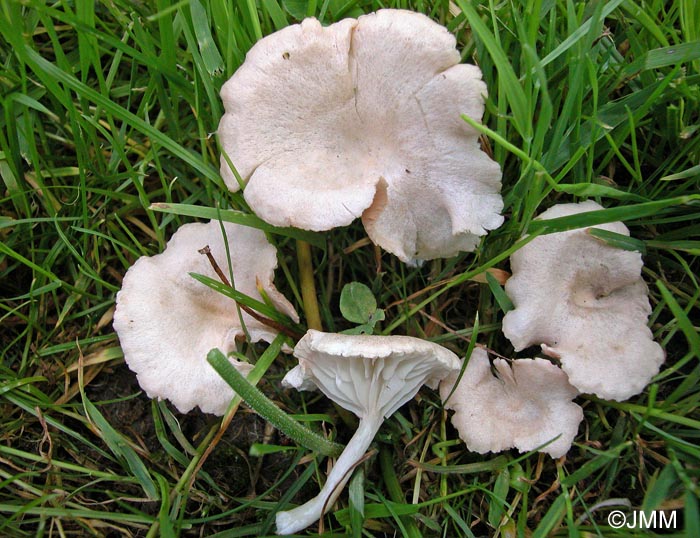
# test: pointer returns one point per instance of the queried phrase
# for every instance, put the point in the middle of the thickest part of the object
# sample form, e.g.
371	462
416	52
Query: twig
252	313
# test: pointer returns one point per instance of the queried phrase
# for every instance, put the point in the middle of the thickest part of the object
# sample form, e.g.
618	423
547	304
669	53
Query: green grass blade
121	448
616	240
504	302
511	84
50	74
602	216
682	319
239	217
213	62
239	297
267	409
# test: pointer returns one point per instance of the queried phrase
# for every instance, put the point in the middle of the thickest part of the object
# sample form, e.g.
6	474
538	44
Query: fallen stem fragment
308	288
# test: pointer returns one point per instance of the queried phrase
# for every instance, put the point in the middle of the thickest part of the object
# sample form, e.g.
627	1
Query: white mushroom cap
527	405
372	376
585	302
362	118
167	321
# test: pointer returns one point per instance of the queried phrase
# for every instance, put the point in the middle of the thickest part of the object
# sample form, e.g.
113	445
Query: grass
109	107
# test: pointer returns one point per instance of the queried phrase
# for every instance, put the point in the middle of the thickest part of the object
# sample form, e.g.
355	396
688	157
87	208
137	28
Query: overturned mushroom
362	118
526	406
167	322
372	376
586	304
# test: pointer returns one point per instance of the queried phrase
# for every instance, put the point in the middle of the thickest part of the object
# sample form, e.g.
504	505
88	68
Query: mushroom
363	118
372	376
167	321
586	304
526	406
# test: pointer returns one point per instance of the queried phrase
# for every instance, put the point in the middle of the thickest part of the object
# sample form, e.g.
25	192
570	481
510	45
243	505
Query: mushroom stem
308	288
302	516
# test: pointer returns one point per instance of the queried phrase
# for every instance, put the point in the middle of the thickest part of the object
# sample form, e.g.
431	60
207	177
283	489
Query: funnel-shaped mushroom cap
372	376
167	322
362	118
585	302
527	405
369	374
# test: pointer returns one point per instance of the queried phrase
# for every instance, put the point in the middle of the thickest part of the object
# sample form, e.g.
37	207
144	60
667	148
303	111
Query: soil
228	475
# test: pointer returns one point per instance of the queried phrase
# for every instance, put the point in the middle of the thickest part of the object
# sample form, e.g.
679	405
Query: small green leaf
357	303
377	315
367	328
